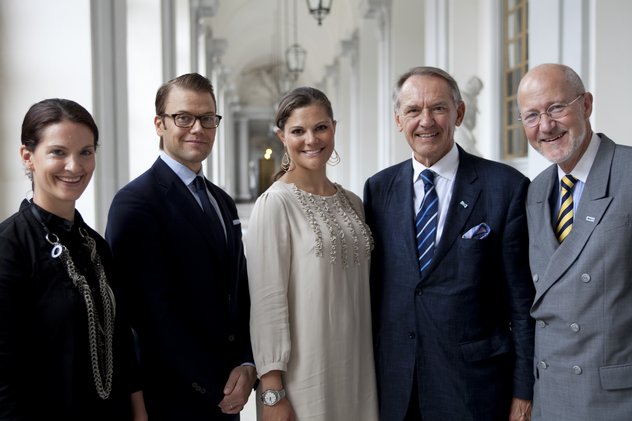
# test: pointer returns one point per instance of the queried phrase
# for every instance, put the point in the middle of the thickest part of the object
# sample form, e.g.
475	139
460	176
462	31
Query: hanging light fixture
279	43
319	9
295	54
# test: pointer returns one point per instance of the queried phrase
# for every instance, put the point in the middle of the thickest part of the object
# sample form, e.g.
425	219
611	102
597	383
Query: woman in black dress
66	351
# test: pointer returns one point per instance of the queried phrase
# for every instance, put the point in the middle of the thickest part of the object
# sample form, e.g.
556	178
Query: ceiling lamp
295	54
295	57
319	9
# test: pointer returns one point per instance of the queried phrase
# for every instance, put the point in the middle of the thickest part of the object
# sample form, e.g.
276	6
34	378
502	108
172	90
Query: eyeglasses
186	120
555	112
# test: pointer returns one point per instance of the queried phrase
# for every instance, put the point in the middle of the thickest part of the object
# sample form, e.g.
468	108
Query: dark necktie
564	223
426	221
199	186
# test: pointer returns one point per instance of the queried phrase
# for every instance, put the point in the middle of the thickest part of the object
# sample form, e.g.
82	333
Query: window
515	65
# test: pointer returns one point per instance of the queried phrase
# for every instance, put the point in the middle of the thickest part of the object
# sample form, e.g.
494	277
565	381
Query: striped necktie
564	223
426	221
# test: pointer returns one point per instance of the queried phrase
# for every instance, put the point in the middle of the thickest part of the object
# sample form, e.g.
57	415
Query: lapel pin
590	218
463	204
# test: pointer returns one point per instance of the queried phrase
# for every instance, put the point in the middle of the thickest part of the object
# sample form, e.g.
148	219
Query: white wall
144	60
45	52
611	68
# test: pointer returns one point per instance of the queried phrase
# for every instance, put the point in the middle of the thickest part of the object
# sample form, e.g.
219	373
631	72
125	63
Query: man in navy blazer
184	269
453	341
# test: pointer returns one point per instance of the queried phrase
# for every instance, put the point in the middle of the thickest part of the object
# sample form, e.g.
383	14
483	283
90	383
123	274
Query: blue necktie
426	221
199	186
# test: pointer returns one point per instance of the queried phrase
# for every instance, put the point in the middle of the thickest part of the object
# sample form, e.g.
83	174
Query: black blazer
465	325
187	295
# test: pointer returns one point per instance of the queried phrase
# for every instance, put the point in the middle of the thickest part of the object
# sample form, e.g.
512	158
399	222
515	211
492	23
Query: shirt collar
445	167
582	168
184	173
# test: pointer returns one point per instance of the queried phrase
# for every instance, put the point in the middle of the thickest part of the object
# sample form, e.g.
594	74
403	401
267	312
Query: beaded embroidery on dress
323	210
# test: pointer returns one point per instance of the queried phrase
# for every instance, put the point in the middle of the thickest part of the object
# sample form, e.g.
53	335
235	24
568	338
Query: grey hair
426	71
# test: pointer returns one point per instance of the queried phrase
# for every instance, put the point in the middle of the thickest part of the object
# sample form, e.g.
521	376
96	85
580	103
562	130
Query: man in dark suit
179	246
453	336
580	253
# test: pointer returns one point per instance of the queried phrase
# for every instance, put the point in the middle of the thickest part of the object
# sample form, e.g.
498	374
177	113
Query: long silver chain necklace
100	332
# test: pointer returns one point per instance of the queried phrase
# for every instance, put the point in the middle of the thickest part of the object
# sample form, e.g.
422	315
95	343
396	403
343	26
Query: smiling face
308	135
187	146
61	166
564	140
428	115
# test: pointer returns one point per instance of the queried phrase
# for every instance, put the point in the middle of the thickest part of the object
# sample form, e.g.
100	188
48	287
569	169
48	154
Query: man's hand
238	389
520	410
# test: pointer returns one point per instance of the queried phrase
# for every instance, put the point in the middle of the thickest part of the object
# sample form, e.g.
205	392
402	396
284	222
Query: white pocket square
236	222
478	232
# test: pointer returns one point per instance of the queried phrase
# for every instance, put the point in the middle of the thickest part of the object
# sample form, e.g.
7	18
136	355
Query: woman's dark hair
52	111
300	97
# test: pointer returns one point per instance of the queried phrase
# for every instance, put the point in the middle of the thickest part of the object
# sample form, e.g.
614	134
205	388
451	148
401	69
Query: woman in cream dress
308	254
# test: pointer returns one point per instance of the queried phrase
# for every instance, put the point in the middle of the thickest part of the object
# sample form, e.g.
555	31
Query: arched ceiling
257	33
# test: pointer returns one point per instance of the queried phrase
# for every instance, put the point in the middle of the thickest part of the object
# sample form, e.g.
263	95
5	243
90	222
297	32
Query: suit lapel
541	210
465	193
594	203
225	215
181	199
399	203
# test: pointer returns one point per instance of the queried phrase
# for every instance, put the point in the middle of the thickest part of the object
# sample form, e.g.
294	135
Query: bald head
553	102
552	73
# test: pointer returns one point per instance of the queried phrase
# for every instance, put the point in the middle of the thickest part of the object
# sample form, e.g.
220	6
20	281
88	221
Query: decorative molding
350	47
215	49
205	8
380	10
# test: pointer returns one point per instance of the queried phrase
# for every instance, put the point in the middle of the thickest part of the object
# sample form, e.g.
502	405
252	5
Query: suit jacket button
231	338
585	277
411	335
575	327
419	291
541	323
536	278
577	369
543	365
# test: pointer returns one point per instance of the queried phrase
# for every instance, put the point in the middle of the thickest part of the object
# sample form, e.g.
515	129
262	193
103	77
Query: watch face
269	398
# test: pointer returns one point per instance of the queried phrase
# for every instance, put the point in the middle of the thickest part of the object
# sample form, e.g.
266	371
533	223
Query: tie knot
427	177
568	181
199	184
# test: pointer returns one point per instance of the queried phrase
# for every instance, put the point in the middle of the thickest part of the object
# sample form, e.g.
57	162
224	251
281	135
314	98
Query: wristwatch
271	397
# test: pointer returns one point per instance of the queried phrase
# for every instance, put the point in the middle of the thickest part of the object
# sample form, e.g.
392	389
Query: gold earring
285	162
334	159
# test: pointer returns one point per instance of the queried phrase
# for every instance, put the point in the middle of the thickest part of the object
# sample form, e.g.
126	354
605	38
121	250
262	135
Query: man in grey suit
583	302
453	335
